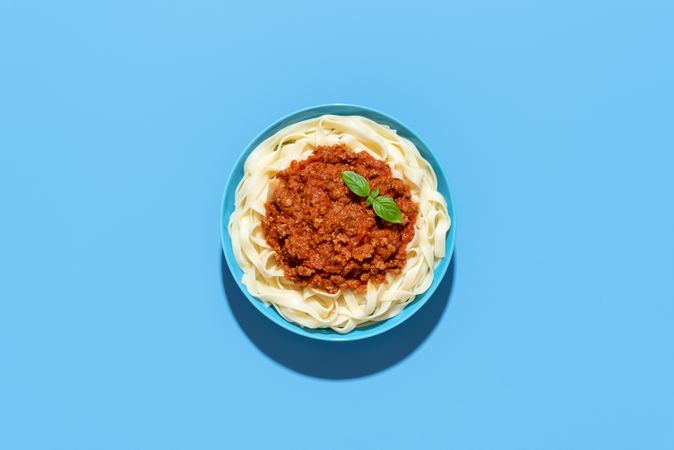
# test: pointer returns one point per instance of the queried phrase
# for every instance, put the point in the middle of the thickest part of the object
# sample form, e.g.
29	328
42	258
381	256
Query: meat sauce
324	235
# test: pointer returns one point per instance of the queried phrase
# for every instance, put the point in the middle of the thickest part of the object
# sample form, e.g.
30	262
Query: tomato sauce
323	234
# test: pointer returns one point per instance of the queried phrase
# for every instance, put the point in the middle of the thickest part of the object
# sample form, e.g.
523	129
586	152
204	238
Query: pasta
344	310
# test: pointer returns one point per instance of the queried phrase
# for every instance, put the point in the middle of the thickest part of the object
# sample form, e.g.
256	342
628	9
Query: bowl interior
228	207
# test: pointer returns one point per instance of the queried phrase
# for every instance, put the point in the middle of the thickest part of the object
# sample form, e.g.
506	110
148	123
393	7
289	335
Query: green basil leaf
371	197
386	208
357	184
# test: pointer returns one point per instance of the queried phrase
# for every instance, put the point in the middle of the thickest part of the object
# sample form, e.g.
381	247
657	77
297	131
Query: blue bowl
228	207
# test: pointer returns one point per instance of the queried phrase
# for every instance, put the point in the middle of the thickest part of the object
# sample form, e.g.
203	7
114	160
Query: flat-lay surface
121	328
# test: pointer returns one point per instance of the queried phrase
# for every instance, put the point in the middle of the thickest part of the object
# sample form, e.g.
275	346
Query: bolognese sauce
323	234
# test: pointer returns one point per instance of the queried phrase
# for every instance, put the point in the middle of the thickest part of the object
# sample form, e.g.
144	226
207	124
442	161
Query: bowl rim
268	311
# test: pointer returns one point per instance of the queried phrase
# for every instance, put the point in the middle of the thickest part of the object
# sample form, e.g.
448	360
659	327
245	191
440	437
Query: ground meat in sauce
323	234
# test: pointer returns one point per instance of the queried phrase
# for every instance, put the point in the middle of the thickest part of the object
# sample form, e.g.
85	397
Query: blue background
120	327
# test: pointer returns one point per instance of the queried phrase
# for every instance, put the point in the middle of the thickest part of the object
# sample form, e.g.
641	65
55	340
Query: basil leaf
386	208
371	197
357	184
